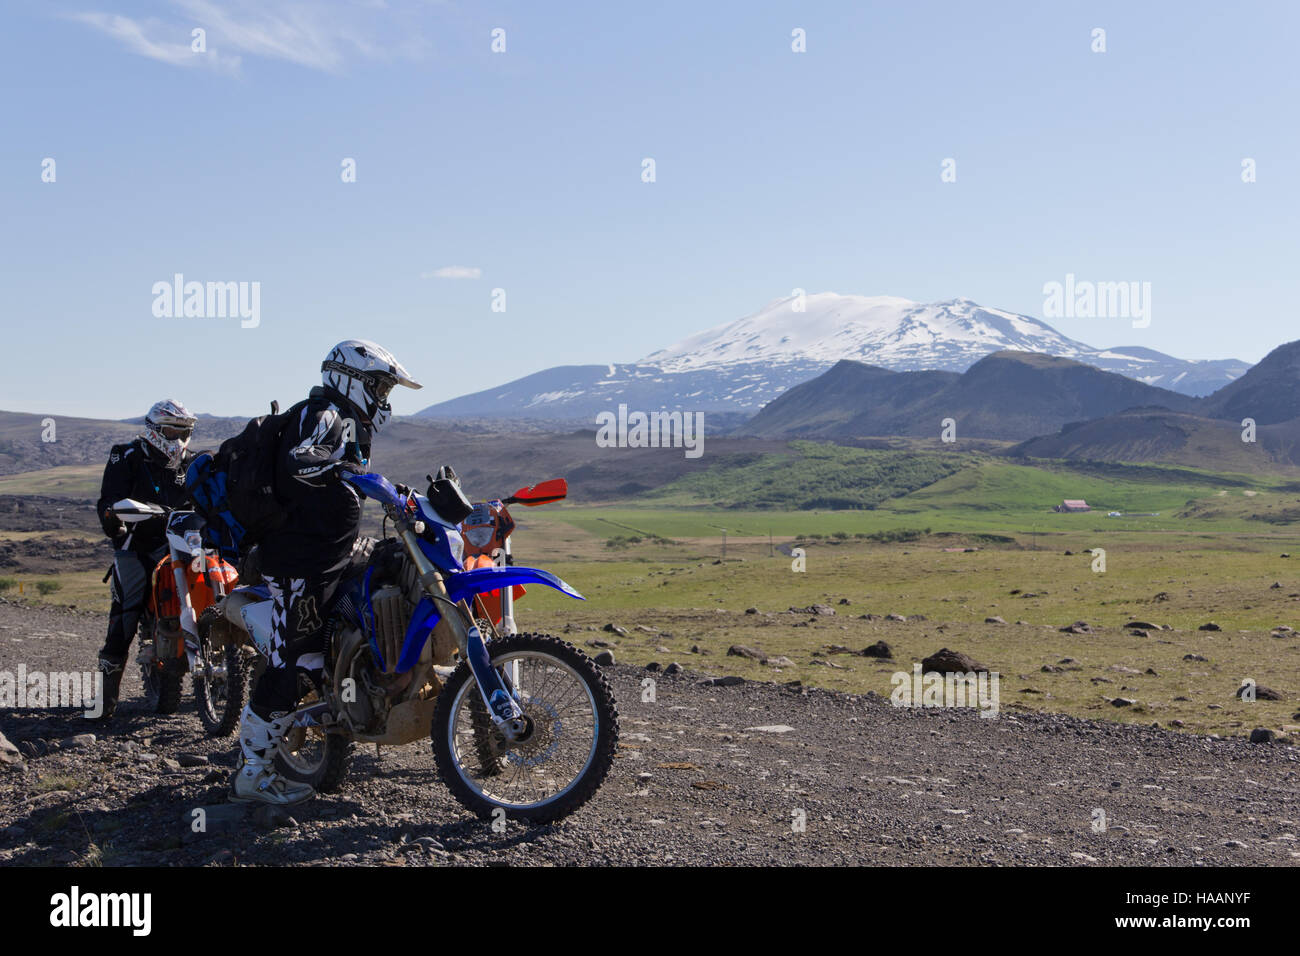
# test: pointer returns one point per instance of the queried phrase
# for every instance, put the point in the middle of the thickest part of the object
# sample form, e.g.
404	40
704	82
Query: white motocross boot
256	780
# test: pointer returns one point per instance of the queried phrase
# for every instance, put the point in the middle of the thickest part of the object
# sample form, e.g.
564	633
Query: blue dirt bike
523	723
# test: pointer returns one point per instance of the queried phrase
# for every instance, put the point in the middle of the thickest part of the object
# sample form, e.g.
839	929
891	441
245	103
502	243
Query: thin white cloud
133	35
317	34
453	272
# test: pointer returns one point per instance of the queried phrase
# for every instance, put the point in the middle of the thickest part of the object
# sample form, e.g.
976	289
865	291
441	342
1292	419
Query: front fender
465	584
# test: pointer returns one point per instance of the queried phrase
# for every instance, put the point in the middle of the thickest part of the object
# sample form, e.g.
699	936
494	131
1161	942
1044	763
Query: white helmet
364	373
168	428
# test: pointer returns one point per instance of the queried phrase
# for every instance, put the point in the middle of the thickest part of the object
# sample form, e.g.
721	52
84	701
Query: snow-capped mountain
740	366
881	330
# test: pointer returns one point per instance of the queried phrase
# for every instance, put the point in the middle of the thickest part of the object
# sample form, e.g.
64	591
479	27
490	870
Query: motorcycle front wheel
561	760
220	687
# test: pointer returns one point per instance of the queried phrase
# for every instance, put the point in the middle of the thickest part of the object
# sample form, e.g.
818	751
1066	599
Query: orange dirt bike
487	533
183	584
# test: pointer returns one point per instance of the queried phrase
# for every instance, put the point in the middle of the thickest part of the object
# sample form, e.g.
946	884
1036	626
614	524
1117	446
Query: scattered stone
673	668
605	659
600	642
1209	626
1262	735
946	661
1195	657
772	729
729	680
78	742
269	817
1078	627
615	629
879	650
898	617
1261	692
740	650
751	610
653	667
779	661
9	755
845	601
994	620
1049	669
1123	702
192	760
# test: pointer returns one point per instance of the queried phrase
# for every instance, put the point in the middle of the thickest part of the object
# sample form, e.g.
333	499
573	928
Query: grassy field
72	481
1223	549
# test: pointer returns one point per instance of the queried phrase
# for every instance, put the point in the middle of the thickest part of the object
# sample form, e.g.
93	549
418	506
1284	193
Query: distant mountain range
1056	407
737	368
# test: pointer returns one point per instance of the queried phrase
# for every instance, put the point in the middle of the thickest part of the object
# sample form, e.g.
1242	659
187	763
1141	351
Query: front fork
504	710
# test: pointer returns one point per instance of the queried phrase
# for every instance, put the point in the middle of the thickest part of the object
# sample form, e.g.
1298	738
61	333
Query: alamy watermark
208	300
651	430
978	689
1083	299
24	688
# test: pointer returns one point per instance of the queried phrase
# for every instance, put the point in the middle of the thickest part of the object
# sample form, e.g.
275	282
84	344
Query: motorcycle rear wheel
309	754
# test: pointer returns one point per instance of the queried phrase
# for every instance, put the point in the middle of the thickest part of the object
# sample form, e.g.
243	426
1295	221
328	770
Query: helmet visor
176	432
383	386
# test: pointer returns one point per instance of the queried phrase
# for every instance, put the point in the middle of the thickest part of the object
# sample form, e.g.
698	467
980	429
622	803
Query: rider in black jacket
150	469
304	559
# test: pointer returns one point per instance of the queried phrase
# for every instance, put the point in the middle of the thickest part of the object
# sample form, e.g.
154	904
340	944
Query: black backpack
235	487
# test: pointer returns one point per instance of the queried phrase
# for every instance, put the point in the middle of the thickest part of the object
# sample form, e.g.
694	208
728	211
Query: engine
366	682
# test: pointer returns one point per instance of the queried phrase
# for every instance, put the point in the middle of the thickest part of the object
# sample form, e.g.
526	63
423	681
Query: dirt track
875	784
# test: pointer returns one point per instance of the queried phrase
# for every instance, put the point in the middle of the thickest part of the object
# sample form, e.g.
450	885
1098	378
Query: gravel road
754	773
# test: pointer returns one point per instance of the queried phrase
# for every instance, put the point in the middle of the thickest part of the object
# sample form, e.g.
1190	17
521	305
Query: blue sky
775	170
